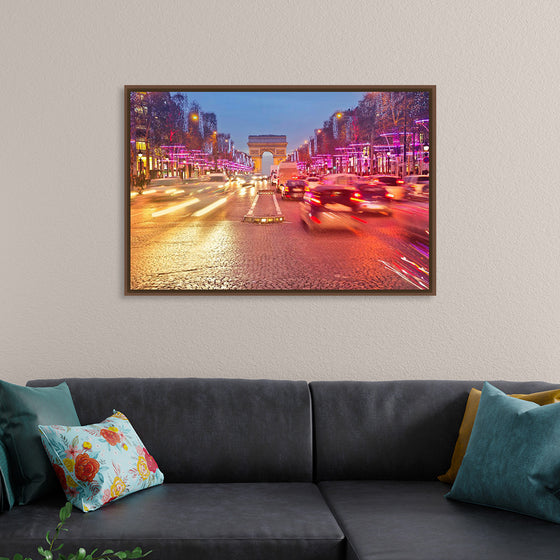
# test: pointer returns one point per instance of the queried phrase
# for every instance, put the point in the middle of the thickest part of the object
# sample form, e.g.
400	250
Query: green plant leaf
82	554
46	554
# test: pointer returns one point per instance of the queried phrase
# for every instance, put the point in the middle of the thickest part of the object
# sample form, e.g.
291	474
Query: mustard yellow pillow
541	398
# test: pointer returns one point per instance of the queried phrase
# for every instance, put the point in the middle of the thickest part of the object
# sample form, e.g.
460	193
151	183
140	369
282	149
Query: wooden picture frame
344	205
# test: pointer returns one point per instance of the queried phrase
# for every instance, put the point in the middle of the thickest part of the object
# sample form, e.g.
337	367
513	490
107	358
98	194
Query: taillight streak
359	219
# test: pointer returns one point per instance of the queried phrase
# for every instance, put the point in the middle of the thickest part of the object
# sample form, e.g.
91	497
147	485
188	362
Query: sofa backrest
208	430
392	430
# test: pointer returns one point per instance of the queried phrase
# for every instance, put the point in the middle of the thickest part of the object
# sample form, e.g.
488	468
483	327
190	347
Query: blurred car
415	220
217	178
371	197
330	207
422	194
244	180
417	187
342	180
395	185
312	182
258	178
293	189
220	181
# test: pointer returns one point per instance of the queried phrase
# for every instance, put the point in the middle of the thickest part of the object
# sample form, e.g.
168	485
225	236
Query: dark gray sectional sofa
285	470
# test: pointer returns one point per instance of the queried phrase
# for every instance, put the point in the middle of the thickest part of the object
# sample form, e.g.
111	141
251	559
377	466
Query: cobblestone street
220	251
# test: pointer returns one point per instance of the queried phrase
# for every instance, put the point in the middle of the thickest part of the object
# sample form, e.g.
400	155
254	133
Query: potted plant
52	553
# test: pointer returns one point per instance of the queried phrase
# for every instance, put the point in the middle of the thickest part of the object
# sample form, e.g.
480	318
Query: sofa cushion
399	430
411	520
284	521
513	457
99	463
21	410
209	430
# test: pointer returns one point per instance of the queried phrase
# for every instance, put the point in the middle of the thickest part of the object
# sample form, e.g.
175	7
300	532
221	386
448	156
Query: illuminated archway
273	143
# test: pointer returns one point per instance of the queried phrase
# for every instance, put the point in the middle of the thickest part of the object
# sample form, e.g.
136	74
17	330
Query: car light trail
210	207
359	219
174	208
416	282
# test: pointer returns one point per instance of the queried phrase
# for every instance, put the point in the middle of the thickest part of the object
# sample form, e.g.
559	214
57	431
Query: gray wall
495	64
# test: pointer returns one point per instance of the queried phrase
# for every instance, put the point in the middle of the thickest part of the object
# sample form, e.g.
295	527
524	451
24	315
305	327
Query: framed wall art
280	189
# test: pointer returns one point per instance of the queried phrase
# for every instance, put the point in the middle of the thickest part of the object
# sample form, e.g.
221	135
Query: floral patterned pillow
99	463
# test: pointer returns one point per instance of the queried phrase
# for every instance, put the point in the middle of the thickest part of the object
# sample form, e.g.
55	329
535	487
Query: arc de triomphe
259	144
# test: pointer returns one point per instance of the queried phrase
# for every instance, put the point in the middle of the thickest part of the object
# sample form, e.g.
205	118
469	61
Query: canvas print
236	190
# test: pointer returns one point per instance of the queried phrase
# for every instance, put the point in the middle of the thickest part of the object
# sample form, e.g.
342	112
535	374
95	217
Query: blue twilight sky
295	114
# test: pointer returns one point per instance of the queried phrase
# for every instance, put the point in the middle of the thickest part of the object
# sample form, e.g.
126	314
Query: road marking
278	211
174	208
210	207
252	209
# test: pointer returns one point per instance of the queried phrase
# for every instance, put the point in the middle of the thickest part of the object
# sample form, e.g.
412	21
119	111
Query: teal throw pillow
513	457
99	463
21	410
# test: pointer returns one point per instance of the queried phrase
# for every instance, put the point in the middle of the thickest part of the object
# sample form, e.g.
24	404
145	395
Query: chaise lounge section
379	449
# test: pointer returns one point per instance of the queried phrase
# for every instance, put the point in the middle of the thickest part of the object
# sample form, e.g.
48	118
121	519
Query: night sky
295	114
